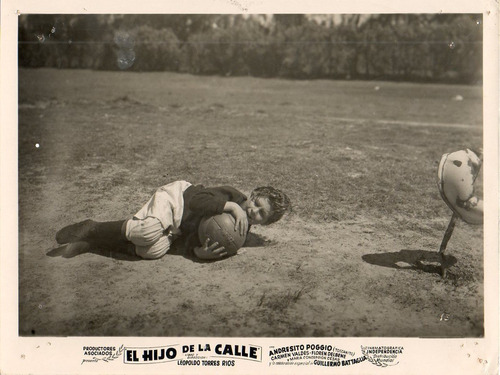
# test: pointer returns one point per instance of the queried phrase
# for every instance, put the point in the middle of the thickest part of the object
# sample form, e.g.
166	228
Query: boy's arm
240	216
212	201
206	252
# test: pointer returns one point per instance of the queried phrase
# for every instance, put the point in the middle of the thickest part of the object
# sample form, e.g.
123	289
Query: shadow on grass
179	248
125	252
423	260
74	249
256	240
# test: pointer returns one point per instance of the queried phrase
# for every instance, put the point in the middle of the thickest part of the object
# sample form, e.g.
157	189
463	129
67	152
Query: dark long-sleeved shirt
200	202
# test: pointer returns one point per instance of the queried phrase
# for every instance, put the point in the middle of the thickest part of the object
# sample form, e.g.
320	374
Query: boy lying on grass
175	211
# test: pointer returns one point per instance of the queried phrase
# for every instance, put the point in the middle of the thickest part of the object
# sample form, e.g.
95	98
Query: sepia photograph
331	153
241	188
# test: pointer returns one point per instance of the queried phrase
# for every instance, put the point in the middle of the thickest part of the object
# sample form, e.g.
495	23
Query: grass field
358	160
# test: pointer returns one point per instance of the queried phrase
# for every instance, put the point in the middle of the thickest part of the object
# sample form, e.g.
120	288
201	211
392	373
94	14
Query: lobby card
365	135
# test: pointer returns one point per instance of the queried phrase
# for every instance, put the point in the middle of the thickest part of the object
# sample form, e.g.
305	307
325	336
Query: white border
62	355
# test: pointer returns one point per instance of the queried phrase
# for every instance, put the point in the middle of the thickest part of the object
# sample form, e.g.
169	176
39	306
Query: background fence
425	47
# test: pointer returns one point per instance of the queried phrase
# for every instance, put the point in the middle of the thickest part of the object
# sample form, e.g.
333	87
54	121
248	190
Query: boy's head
267	205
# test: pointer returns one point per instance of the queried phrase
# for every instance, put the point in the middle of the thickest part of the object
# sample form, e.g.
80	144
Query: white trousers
154	227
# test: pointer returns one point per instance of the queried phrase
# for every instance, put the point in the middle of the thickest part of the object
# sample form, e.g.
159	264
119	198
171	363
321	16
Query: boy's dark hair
280	203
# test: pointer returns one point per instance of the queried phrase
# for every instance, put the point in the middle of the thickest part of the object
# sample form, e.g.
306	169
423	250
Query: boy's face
258	210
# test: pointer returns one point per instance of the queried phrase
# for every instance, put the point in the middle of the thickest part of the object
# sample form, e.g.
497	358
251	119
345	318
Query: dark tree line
446	48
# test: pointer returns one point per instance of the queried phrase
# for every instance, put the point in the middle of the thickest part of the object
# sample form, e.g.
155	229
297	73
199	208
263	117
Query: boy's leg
100	247
87	234
155	251
145	238
150	239
90	230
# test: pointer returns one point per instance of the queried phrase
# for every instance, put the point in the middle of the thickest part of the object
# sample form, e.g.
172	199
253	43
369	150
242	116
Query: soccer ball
220	228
